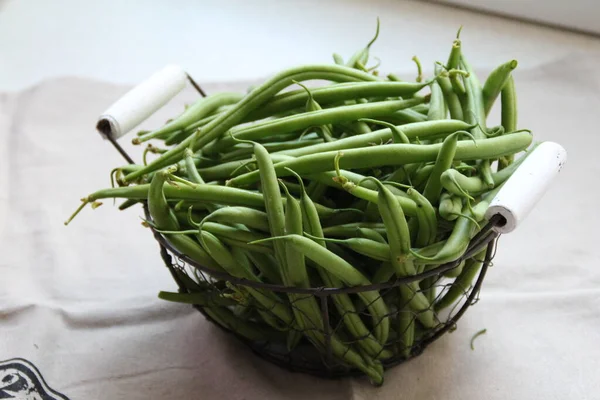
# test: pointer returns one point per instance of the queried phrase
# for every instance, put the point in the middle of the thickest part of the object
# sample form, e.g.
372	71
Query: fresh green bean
372	234
361	57
450	206
451	98
443	162
476	115
349	275
495	82
461	185
227	169
267	299
399	241
454	57
427	231
418	129
342	302
349	230
394	154
242	215
244	152
164	218
329	94
462	283
459	239
302	121
201	109
508	97
437	108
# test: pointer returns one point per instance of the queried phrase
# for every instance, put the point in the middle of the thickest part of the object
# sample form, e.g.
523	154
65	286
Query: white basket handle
142	101
527	185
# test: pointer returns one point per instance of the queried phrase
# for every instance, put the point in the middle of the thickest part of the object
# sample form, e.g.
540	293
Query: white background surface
124	41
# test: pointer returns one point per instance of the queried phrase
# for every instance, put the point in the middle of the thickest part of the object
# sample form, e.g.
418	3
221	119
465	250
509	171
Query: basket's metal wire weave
304	357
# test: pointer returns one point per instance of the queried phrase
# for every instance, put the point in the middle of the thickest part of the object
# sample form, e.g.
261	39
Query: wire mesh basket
217	298
332	333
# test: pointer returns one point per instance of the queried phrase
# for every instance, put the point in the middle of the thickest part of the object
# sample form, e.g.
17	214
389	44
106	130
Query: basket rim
485	236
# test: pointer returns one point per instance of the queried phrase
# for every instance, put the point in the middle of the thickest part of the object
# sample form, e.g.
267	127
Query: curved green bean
393	154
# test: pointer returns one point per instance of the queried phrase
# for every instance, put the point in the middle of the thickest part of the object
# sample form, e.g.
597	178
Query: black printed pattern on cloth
21	380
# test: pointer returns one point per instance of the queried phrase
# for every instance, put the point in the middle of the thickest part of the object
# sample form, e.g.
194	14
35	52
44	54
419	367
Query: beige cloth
80	302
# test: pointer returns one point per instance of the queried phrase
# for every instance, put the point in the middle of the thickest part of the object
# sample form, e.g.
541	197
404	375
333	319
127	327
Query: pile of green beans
357	181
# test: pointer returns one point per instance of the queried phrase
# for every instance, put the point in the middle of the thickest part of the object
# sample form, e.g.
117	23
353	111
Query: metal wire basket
219	296
194	278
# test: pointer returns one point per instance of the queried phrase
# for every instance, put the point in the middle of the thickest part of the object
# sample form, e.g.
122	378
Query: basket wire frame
191	277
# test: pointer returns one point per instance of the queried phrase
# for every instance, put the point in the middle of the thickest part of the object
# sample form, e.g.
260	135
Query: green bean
495	82
127	203
462	283
273	206
205	193
201	109
227	169
418	129
237	237
361	57
349	275
461	185
342	302
403	173
164	218
460	237
203	299
421	108
267	265
419	69
443	162
190	167
399	240
372	234
359	191
476	115
247	329
454	57
242	215
224	257
295	269
393	154
338	59
407	116
309	218
179	136
386	271
508	97
302	121
453	272
312	105
398	136
421	176
250	102
327	95
452	100
367	247
240	153
437	108
426	216
349	230
450	206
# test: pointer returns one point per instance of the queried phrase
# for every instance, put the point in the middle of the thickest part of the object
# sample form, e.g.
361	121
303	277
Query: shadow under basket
451	288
